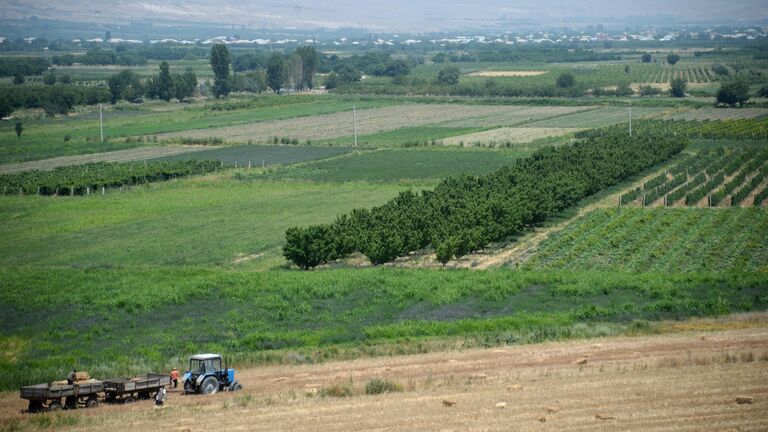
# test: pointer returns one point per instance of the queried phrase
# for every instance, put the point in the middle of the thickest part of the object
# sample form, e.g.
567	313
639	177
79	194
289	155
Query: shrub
337	390
678	87
379	386
673	58
566	80
733	93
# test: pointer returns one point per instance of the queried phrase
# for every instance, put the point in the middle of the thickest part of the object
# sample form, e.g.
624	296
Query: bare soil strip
685	382
140	153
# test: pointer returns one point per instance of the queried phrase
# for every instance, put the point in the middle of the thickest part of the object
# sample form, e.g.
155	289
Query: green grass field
142	318
209	220
398	165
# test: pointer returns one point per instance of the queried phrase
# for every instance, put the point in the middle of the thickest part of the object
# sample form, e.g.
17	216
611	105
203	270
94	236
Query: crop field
600	117
719	177
666	240
739	130
259	155
397	165
136	154
721	114
372	121
491	73
130	126
502	136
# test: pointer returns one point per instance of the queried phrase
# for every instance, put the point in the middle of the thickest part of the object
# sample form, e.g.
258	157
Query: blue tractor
206	376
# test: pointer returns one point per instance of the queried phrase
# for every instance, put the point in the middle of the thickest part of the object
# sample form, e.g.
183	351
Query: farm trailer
127	390
50	396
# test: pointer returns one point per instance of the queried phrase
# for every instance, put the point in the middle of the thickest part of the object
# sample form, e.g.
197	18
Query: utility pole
354	120
101	123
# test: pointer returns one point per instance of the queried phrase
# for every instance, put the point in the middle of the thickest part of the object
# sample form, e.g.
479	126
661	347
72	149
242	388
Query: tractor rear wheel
210	386
35	406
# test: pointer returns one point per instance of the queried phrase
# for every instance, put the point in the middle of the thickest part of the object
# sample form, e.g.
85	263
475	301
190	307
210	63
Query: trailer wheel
35	406
210	386
92	402
128	399
54	405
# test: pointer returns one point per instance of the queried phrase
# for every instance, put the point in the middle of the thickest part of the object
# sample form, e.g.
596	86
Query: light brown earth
507	73
513	135
134	154
686	381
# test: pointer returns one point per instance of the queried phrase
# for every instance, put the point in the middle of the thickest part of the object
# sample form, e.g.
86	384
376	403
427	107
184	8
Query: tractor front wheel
210	386
236	387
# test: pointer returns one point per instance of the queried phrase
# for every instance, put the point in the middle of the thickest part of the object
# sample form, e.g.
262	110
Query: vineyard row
722	176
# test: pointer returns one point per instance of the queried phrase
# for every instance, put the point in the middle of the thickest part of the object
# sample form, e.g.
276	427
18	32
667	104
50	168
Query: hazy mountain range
390	15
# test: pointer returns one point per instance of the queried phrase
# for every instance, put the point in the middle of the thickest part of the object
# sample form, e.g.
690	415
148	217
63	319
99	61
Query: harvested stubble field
688	381
512	135
721	114
375	120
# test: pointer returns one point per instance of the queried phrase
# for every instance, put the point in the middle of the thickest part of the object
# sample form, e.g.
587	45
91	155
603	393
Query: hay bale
551	410
542	419
62	382
448	403
514	387
82	376
280	379
501	405
581	361
604	417
744	400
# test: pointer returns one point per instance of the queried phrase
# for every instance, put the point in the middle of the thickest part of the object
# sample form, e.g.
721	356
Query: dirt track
686	381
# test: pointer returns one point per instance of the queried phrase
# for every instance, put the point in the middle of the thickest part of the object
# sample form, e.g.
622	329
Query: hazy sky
394	15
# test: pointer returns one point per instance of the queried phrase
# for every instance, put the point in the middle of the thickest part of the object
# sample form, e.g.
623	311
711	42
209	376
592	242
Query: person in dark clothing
72	377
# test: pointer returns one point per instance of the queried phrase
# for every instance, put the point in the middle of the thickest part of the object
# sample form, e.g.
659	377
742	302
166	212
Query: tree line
463	214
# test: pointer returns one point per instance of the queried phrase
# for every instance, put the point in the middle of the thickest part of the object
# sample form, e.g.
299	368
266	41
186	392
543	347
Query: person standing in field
175	377
160	397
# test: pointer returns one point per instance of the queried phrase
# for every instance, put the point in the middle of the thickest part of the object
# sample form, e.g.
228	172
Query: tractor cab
205	375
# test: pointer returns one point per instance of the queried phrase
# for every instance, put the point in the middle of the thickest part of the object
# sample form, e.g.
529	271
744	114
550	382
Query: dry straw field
687	381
